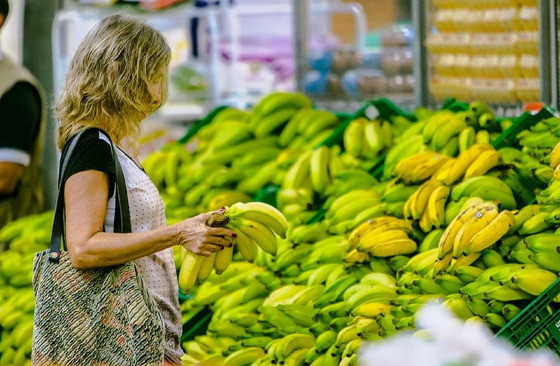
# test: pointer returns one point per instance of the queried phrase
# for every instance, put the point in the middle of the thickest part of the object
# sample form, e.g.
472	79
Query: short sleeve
92	152
20	118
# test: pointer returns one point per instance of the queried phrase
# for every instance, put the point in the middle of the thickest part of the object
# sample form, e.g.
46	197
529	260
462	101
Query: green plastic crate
538	325
197	325
197	126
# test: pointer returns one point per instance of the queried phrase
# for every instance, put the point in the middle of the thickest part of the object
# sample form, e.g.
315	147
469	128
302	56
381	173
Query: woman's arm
86	194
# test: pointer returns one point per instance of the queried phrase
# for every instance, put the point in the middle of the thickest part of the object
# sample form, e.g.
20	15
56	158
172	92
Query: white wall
11	37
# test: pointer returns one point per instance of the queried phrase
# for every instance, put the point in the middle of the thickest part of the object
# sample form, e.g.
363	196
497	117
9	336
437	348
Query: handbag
101	316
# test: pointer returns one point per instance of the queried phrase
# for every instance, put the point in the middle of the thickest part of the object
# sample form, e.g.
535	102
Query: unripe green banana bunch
367	139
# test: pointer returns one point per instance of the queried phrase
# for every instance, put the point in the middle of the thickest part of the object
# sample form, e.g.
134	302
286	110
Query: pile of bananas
237	154
256	224
20	240
446	132
450	221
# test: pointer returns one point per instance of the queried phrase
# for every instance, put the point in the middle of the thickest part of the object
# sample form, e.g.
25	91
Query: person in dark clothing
22	115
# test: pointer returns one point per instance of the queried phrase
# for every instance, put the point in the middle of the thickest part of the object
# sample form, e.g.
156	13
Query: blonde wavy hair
116	78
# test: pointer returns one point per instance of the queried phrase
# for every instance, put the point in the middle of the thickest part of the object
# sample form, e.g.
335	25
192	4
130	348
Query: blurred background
339	52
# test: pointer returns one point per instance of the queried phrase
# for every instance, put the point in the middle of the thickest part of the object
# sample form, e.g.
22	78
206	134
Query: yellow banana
464	260
372	309
223	260
246	245
406	166
189	271
427	169
260	212
425	223
436	206
420	198
483	163
491	233
448	238
374	238
383	223
206	268
261	234
484	215
555	156
443	171
393	247
464	161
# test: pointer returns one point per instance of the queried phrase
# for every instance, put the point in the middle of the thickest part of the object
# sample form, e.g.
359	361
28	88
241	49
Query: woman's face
158	91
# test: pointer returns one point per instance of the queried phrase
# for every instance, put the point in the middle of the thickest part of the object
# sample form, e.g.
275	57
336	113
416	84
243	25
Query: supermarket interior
280	182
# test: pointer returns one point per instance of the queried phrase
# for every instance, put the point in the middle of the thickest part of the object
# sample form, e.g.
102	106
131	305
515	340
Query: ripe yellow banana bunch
475	161
476	228
419	167
256	225
384	236
427	205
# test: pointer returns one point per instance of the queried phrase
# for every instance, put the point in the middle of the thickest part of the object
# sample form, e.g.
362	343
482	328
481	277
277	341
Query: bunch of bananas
539	140
256	224
21	239
385	236
310	176
367	139
237	154
446	132
476	228
441	224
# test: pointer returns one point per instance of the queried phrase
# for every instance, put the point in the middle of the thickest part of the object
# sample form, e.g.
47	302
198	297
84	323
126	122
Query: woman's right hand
199	238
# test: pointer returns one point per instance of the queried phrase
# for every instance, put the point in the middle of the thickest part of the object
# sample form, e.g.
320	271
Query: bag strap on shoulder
122	212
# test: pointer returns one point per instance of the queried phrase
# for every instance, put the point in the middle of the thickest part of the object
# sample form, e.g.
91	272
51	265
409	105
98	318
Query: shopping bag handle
122	211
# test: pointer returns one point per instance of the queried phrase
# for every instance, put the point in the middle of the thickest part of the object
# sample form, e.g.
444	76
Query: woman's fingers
211	247
221	231
219	240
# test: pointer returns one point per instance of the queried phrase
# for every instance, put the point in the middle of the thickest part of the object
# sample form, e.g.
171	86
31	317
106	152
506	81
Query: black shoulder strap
122	213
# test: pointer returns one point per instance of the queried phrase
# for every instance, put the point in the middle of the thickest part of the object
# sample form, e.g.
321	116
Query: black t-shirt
91	153
20	117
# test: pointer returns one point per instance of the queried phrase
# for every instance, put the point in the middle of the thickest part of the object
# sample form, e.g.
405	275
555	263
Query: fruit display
394	213
236	154
19	240
487	53
454	222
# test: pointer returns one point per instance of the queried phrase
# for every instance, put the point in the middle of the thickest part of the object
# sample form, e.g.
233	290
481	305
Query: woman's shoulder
92	151
90	139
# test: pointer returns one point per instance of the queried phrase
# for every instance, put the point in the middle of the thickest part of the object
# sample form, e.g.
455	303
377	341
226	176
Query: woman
116	78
